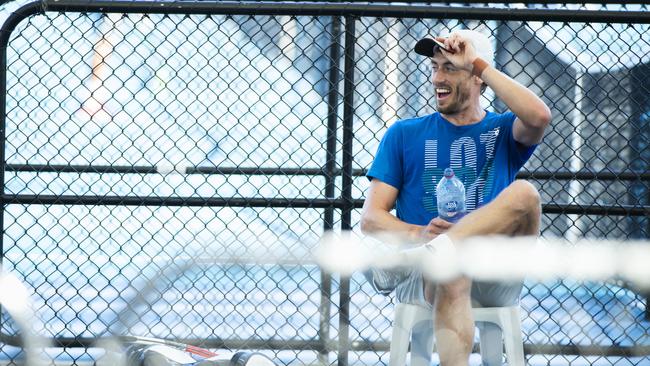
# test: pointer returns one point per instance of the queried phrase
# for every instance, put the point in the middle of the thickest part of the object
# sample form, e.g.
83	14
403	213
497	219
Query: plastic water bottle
451	197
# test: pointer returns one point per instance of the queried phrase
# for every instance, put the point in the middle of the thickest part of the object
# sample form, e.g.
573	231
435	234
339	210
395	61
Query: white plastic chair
417	320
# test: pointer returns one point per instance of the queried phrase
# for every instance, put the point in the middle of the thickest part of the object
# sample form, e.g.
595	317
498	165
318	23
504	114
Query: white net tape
497	258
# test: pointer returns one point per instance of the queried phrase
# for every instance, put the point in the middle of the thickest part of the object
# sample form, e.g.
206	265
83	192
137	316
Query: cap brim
424	47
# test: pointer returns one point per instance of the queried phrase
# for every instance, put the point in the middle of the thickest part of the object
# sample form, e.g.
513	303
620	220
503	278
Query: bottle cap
449	172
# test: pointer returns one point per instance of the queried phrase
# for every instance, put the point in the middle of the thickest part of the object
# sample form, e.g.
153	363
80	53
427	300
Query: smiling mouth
442	93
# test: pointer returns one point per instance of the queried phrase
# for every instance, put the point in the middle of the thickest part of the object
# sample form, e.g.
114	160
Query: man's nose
437	77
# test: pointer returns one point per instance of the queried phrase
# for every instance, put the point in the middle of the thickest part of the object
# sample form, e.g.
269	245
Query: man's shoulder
495	118
416	123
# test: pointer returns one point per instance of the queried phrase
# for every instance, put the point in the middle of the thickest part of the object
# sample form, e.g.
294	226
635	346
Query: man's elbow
367	223
534	124
542	117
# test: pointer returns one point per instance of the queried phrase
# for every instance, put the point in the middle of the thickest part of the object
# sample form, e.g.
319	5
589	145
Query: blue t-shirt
414	153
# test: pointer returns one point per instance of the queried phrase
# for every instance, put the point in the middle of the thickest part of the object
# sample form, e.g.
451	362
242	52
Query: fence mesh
149	150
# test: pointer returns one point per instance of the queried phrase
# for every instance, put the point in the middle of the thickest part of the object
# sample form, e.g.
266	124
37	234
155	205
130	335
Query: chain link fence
154	152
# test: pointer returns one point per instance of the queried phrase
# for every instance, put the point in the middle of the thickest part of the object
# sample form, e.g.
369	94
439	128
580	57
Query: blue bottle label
451	207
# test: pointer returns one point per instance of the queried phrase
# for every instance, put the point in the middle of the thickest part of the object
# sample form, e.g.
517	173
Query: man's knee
454	290
524	197
447	291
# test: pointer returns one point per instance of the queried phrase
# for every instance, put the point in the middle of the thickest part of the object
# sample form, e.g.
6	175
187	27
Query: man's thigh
493	294
484	294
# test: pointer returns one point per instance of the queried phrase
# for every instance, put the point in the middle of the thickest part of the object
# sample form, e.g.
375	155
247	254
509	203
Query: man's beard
460	97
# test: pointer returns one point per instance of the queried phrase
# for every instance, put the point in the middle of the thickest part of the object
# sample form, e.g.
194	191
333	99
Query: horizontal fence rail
345	9
559	175
278	202
356	346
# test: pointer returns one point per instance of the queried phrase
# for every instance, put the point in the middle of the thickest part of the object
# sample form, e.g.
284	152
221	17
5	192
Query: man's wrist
418	234
478	66
415	234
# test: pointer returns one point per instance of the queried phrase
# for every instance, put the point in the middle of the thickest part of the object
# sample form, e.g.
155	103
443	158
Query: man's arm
376	219
533	115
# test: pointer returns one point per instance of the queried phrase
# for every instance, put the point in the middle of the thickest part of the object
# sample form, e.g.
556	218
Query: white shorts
408	285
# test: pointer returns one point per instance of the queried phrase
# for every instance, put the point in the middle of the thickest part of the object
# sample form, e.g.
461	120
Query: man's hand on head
459	51
435	227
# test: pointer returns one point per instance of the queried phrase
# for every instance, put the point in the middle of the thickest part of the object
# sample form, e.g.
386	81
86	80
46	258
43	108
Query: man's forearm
525	104
381	224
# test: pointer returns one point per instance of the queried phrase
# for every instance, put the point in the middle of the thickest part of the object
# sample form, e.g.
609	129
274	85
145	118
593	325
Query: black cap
424	47
482	45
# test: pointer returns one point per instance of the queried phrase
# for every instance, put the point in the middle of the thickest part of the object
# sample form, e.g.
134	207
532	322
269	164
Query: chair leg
422	343
399	344
419	319
514	343
490	336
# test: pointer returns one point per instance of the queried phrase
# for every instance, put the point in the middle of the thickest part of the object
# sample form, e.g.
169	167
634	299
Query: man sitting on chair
486	150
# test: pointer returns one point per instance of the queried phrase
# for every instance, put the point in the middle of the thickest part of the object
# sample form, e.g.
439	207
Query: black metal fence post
7	28
330	174
640	143
3	114
346	192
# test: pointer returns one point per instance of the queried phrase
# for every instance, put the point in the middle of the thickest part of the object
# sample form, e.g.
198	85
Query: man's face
451	85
